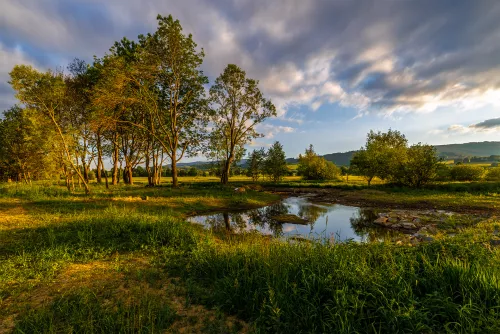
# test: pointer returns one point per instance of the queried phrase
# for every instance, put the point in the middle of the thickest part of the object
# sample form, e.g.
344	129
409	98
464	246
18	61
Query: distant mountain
450	151
474	149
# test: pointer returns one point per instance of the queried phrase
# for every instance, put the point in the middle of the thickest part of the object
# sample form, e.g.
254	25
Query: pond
319	221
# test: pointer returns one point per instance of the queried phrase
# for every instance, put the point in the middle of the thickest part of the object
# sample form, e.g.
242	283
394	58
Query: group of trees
388	157
271	163
143	103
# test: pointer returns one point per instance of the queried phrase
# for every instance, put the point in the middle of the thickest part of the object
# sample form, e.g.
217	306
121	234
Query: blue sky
334	69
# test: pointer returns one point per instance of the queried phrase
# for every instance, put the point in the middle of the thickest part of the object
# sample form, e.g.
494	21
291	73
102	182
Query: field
125	260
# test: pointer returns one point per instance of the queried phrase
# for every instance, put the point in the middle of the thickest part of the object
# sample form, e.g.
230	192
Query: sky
335	69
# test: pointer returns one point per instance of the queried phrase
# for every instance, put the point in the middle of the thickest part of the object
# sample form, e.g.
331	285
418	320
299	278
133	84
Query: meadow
125	260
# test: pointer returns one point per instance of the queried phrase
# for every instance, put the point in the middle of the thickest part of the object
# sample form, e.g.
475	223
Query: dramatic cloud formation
367	56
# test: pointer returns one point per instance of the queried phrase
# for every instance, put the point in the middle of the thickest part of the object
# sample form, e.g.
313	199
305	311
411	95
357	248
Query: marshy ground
126	260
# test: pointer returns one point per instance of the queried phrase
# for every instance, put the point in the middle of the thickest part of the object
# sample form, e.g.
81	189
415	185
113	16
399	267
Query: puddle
323	221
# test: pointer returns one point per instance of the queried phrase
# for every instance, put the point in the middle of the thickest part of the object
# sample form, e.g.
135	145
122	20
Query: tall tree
47	94
24	145
237	107
164	79
275	162
256	163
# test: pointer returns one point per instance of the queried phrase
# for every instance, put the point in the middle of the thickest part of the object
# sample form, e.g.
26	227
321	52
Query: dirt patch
13	216
377	198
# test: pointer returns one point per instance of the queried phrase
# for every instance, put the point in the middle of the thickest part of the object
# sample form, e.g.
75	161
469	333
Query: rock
408	225
495	242
381	221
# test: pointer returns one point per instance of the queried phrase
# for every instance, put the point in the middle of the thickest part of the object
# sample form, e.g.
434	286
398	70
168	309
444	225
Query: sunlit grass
125	260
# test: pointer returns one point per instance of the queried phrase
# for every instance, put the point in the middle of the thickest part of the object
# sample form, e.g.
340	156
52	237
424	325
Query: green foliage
313	167
237	107
275	162
466	173
419	167
256	163
387	156
493	174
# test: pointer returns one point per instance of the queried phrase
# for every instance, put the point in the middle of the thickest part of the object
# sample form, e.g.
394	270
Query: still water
324	221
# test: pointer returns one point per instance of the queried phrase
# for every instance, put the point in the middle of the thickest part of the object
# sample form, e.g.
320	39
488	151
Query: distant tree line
142	104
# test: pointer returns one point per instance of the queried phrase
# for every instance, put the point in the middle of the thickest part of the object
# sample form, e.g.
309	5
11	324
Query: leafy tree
164	80
24	145
275	162
237	107
192	171
46	93
381	155
419	167
256	163
313	167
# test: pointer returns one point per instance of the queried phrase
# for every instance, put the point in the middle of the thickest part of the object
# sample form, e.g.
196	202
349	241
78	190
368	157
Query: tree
24	145
162	76
237	107
46	93
313	167
364	164
381	155
419	167
275	162
256	163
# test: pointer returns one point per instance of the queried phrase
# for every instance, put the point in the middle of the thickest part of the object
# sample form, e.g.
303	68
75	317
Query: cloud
270	130
8	59
385	57
489	125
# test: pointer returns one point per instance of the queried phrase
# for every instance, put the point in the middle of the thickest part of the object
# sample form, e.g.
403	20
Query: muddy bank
377	198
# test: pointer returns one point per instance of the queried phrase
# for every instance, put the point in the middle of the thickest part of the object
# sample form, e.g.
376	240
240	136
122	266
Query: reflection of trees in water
363	226
311	212
227	221
264	217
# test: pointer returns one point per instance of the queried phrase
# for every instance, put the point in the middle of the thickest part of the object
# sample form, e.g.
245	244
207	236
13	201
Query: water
325	221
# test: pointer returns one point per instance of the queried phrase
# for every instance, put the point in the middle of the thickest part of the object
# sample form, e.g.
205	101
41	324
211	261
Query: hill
474	149
449	152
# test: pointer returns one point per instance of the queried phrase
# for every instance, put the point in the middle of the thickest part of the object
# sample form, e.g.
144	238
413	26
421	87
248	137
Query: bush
493	174
313	167
466	173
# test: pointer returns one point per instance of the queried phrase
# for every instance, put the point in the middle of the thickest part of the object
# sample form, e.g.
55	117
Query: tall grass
348	288
450	286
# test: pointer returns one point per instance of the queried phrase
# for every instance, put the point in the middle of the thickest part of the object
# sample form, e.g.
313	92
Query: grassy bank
125	261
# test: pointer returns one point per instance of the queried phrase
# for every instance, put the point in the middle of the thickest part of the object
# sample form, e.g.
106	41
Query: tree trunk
225	172
174	171
99	159
115	164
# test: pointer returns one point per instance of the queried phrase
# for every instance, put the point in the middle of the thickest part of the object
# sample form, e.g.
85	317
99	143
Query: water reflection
325	220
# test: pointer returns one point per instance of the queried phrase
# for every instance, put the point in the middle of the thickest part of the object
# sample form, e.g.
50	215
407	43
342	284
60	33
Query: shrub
466	173
493	174
313	167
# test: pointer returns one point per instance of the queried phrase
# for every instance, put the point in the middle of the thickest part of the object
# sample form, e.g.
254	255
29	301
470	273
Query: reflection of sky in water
325	221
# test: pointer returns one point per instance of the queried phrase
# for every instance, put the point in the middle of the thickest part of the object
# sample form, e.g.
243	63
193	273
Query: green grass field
125	261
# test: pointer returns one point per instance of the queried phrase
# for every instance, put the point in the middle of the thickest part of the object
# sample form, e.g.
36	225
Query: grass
124	260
